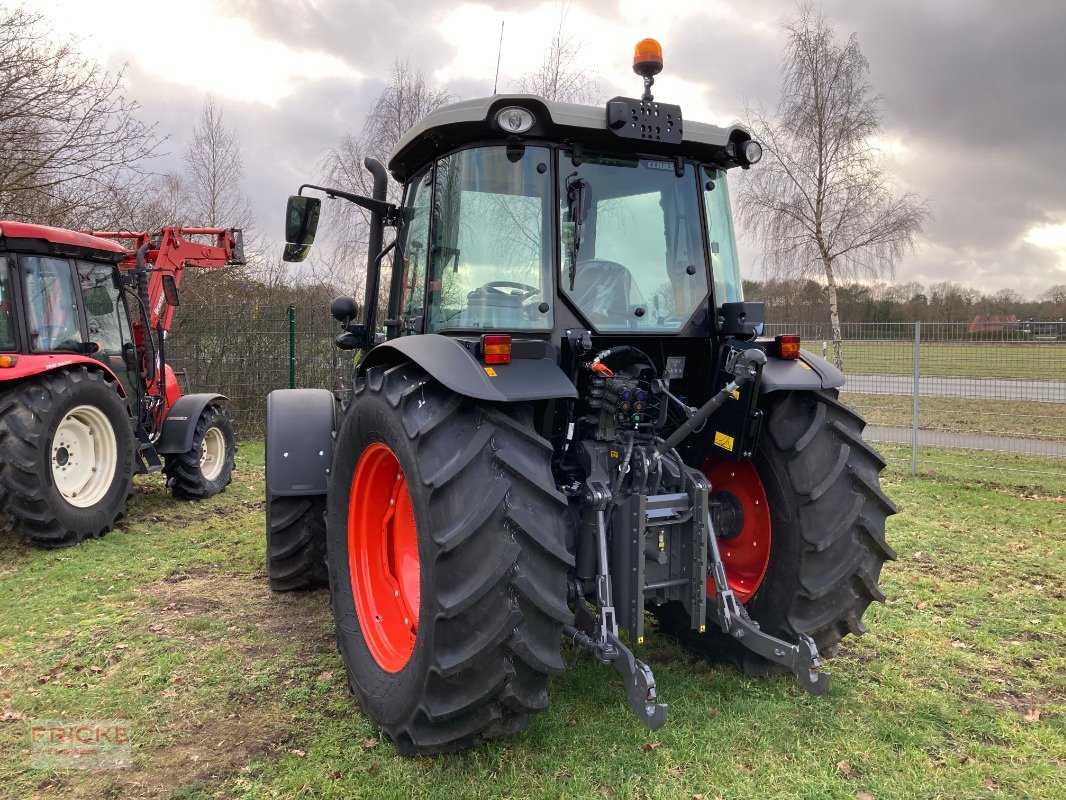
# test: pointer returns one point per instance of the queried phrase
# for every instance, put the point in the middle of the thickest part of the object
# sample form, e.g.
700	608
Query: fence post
292	345
917	385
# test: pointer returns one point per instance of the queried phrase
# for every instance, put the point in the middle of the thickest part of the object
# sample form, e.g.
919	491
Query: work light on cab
514	119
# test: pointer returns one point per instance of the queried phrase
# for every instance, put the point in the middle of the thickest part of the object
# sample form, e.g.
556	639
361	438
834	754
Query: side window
104	310
725	268
53	317
411	253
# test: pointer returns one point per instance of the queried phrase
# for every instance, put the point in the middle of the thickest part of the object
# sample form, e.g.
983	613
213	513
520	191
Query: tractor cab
60	300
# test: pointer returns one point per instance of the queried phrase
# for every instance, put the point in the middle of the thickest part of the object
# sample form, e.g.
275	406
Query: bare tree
214	170
408	96
70	142
821	202
560	76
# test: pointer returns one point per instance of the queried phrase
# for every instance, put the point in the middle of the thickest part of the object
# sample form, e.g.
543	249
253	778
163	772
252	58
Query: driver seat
602	290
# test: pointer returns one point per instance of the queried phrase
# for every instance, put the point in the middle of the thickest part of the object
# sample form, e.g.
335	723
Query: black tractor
564	418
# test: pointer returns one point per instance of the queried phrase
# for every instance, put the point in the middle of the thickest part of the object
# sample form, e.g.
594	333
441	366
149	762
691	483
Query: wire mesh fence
924	386
245	353
974	386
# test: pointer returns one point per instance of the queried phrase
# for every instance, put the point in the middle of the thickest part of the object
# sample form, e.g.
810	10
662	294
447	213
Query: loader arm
170	252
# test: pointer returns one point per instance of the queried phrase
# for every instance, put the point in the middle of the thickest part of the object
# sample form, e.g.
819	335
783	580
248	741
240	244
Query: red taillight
788	346
496	348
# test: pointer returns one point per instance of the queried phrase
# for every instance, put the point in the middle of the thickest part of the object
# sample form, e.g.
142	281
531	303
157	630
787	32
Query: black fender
450	363
808	372
179	428
299	441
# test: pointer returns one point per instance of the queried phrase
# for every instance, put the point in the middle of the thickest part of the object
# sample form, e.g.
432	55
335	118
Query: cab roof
58	241
471	121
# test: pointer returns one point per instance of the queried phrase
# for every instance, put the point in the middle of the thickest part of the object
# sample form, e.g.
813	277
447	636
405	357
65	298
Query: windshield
637	260
491	255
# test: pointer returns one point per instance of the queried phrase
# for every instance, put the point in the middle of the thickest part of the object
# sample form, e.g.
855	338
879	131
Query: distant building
994	323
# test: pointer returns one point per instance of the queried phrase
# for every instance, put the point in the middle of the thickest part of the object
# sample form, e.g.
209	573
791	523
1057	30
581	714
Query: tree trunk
834	312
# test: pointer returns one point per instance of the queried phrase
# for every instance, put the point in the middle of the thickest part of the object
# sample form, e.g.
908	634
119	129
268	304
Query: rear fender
808	372
34	364
299	441
450	363
179	428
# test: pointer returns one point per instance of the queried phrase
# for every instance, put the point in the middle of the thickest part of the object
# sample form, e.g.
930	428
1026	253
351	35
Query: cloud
974	100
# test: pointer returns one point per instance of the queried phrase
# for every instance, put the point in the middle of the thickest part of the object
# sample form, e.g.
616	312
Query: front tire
452	641
66	456
207	469
827	520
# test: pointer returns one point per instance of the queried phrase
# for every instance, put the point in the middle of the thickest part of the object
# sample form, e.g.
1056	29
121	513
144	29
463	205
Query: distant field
964	360
964	415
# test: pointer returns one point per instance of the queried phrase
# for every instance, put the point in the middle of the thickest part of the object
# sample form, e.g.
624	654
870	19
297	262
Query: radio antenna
499	54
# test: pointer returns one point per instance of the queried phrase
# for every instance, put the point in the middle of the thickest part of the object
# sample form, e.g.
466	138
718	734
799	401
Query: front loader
87	397
567	424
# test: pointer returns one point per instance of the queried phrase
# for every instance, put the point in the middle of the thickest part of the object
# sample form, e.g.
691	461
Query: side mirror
301	222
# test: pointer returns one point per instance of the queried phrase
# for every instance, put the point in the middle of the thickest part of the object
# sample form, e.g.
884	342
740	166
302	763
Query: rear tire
296	543
207	469
492	563
828	542
66	456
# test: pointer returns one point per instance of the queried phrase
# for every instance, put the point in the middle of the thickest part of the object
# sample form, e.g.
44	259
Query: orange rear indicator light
788	346
8	361
496	348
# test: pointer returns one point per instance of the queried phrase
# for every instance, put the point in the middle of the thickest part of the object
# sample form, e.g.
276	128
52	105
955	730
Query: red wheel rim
746	555
383	557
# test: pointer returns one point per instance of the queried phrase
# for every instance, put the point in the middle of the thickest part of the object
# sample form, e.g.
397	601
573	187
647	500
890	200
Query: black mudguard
179	428
523	380
299	441
808	372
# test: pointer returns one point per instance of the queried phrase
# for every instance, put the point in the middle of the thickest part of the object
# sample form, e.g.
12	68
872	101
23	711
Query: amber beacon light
648	58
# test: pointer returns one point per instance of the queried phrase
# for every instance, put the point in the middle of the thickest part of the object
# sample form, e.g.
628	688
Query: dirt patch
232	603
192	747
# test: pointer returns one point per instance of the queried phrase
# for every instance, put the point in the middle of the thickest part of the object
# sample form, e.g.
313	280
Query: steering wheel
524	290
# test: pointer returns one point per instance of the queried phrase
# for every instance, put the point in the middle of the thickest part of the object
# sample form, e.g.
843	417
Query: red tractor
87	399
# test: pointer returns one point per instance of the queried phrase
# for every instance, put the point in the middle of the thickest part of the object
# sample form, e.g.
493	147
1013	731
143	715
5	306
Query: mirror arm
388	212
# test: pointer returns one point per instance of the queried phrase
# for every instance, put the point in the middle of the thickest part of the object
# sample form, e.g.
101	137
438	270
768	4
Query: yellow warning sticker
723	441
490	372
736	394
615	454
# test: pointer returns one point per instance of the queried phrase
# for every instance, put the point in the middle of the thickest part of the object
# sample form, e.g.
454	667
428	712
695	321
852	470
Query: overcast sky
974	90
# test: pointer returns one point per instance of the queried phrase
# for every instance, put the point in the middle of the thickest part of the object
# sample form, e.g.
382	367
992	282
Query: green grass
963	360
958	691
963	415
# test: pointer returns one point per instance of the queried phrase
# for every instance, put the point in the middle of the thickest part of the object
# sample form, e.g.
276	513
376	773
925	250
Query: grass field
963	415
964	360
958	691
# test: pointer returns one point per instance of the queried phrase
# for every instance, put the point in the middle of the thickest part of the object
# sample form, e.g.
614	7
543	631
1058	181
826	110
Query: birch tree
821	203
